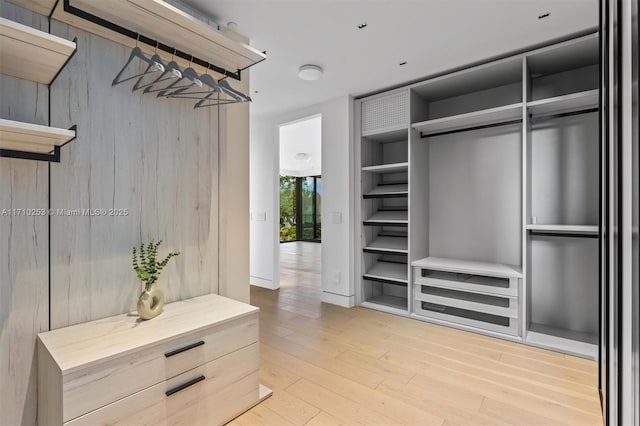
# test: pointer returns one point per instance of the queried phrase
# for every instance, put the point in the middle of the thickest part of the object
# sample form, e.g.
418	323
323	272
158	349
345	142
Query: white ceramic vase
150	302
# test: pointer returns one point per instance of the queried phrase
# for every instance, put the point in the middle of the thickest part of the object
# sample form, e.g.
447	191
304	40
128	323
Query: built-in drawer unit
113	370
474	294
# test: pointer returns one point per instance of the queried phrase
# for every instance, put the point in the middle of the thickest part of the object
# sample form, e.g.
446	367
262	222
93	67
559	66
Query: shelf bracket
75	40
52	157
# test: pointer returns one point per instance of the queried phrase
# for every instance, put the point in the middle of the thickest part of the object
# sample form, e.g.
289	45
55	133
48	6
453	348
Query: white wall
337	199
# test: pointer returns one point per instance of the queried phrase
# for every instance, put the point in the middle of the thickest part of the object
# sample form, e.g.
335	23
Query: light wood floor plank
330	365
291	407
337	406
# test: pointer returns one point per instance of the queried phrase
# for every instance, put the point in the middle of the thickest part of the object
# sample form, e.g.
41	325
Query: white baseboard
338	299
264	283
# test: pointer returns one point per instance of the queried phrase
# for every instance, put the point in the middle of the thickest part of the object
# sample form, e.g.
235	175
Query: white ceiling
302	137
432	36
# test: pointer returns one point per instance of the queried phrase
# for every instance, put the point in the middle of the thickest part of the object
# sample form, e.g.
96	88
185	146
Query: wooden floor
329	365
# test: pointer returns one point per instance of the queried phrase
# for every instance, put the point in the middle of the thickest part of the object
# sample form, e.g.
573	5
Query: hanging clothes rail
141	38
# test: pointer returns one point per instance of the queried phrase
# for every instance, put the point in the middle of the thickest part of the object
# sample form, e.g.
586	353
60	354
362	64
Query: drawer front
488	304
210	394
466	282
479	320
102	384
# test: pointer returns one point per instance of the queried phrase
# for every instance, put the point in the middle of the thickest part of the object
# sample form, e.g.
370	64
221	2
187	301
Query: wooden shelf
389	244
387	168
26	137
469	267
390	271
31	54
469	120
169	25
564	104
388	191
565	229
563	340
399	217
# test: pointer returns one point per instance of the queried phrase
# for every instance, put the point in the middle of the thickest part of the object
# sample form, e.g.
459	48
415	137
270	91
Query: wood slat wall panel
155	157
23	247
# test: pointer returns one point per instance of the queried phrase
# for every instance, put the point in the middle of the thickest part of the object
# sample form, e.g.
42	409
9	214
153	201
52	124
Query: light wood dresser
195	364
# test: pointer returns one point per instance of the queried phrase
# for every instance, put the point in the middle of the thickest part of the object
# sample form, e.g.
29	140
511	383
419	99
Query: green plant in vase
148	268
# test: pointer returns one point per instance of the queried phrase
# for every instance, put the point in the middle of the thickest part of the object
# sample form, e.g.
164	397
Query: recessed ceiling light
544	15
310	72
403	63
363	25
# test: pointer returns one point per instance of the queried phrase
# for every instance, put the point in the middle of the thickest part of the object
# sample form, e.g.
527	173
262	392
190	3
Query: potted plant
147	268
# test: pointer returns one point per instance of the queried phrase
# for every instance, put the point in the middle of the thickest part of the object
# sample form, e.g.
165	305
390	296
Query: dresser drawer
210	394
103	383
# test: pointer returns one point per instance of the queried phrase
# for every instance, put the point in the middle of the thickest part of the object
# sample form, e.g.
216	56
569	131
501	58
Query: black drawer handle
184	385
185	348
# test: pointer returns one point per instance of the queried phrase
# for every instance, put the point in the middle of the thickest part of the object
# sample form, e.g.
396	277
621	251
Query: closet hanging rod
537	119
469	129
561	234
237	75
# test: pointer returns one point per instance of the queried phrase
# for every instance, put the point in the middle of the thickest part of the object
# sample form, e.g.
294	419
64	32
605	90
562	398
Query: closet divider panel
24	309
562	198
157	158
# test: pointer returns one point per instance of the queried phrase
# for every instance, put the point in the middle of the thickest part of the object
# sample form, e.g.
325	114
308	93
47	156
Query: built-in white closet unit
562	197
479	198
468	139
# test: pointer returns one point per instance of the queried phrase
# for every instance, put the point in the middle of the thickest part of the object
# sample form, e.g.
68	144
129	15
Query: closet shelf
469	267
31	54
32	138
396	302
387	168
387	135
388	191
492	116
564	340
384	217
565	229
388	271
388	245
574	102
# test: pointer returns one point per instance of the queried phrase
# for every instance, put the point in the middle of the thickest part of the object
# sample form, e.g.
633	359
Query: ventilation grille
385	113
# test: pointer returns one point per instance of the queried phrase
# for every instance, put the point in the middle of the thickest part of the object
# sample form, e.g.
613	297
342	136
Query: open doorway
300	196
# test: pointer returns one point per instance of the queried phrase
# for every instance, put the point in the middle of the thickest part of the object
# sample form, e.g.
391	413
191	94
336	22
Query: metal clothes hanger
218	102
188	74
227	88
153	66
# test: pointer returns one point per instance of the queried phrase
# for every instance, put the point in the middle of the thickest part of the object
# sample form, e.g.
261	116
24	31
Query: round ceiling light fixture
310	72
302	156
